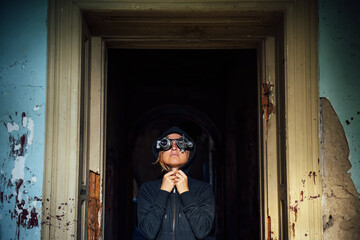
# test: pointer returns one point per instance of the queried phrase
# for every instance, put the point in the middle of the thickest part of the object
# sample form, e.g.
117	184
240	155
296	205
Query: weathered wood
94	207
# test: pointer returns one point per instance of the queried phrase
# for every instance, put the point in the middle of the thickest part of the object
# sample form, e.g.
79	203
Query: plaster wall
340	201
22	115
339	57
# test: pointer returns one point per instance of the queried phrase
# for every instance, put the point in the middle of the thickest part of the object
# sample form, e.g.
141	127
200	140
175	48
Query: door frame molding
300	109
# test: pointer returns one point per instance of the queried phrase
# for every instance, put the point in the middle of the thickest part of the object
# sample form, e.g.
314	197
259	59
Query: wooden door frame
300	110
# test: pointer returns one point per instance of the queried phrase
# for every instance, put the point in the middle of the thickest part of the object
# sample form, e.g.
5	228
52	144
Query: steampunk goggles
182	143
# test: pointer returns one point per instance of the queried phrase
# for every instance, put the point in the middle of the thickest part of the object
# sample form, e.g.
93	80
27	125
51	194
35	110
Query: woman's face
173	157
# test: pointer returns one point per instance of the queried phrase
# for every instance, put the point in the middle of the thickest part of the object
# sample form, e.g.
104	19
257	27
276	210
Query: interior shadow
212	94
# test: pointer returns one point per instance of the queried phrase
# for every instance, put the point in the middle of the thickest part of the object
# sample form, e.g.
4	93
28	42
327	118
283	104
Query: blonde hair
160	160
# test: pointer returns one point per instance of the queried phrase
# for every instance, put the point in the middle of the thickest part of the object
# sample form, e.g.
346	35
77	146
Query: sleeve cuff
187	199
162	197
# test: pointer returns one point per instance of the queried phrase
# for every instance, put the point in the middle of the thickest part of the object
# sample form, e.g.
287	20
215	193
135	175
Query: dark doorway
213	95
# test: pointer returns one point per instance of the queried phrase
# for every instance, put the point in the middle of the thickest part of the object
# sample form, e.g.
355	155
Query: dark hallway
213	95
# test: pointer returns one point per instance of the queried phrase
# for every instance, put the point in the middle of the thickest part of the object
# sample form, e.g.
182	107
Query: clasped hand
176	179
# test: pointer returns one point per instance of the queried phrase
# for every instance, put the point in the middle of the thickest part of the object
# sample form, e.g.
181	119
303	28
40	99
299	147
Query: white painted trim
270	145
61	166
302	121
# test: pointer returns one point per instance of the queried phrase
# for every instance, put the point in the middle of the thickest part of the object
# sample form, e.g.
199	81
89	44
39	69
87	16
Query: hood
175	129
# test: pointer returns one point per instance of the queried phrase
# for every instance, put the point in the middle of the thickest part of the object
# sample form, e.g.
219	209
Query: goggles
182	143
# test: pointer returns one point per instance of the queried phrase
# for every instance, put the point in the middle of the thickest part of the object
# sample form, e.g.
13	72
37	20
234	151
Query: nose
173	145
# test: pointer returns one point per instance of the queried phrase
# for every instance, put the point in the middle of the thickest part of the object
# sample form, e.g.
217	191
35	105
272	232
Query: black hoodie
164	215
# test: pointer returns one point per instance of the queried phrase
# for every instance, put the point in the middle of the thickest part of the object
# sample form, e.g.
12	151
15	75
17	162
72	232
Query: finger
169	173
182	173
179	176
179	182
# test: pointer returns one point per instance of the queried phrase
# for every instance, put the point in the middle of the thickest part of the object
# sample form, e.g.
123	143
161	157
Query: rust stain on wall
94	207
314	197
295	209
313	174
268	107
293	229
269	227
58	220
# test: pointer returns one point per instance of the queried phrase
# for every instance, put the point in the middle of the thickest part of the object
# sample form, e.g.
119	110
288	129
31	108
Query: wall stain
269	227
303	182
20	207
293	229
58	220
313	174
328	223
314	197
295	210
268	107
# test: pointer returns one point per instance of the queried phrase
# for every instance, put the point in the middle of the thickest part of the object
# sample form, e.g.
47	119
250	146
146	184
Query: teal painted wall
22	116
339	69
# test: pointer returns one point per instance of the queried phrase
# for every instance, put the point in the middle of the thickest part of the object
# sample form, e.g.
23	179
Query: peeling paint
340	200
268	107
18	170
36	108
21	206
30	126
339	71
24	119
22	66
94	206
12	127
269	227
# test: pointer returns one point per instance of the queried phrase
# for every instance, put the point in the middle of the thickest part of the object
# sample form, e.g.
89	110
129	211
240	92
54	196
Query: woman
176	206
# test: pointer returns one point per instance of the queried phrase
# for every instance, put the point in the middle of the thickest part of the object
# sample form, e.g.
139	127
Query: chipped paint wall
339	58
340	201
22	115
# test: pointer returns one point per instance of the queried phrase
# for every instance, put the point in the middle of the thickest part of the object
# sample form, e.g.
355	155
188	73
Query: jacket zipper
174	215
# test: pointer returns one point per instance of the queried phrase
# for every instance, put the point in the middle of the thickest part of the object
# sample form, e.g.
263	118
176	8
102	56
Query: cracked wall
22	117
339	73
340	200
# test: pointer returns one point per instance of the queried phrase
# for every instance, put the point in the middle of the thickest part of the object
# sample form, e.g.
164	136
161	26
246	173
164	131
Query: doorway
200	24
210	93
